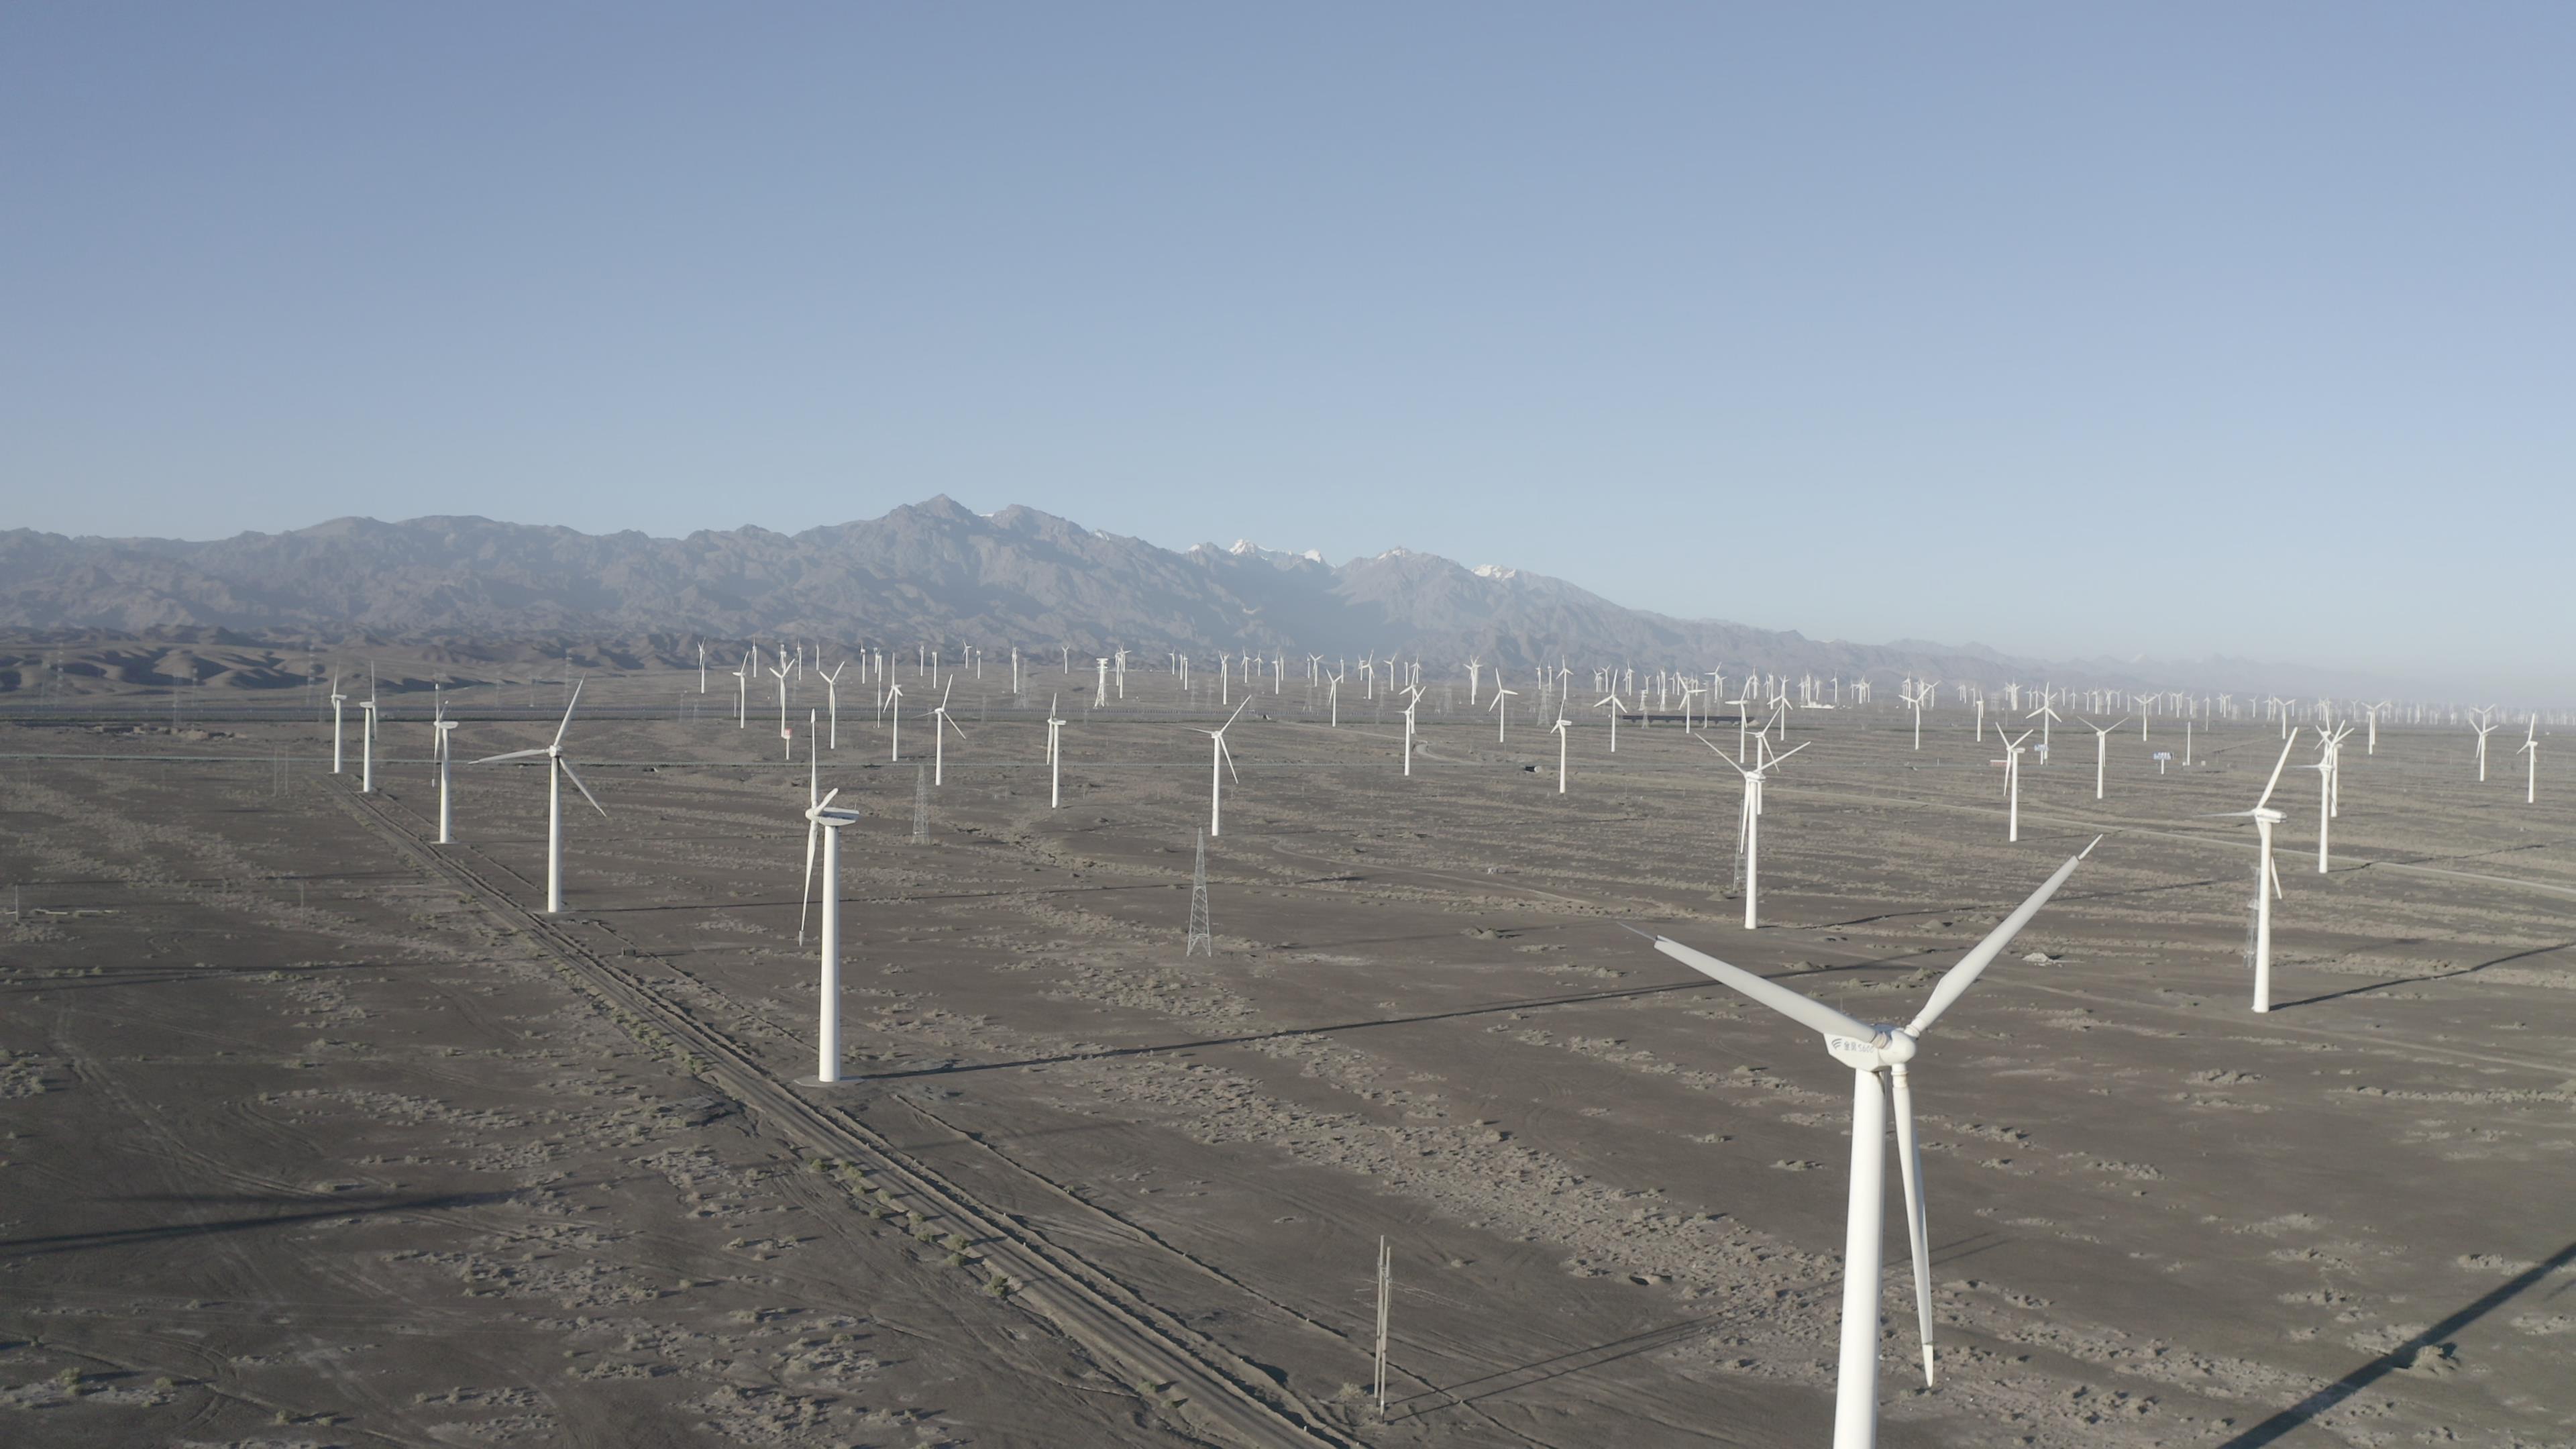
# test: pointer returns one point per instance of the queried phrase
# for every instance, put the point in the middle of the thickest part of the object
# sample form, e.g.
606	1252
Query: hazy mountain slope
925	572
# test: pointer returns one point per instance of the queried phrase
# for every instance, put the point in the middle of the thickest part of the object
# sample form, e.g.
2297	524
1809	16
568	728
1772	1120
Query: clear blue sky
2071	329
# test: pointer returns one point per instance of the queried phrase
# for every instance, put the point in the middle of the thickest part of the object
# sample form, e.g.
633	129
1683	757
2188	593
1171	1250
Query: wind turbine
2046	716
1561	734
702	667
1221	764
367	743
2329	765
1748	827
2484	727
1055	757
742	693
1869	1049
2012	783
894	712
2267	879
1920	694
832	692
1611	703
439	729
337	699
1333	696
939	724
2531	747
2102	750
823	820
1410	704
1502	712
558	769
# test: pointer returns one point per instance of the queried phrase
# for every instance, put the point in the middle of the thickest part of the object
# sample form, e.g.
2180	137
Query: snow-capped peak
1495	571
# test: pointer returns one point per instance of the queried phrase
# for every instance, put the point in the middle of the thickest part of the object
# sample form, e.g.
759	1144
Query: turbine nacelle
1888	1046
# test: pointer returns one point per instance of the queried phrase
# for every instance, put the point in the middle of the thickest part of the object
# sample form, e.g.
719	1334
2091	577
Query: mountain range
932	572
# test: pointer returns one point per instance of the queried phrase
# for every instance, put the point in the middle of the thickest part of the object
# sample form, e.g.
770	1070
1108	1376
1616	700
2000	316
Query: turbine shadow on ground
162	1232
2403	1356
2429	976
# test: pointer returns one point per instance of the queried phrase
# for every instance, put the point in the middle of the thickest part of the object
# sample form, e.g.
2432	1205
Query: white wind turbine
780	670
1055	757
1475	670
1333	696
742	694
2046	716
1748	825
2485	726
558	769
1502	710
2267	878
337	700
1868	1049
940	724
1221	764
702	668
1611	703
2531	747
439	728
894	714
2012	783
367	742
823	820
832	692
2102	750
2329	766
1410	704
1561	734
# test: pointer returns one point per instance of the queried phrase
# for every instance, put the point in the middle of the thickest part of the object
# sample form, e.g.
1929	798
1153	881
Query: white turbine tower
742	694
2267	879
337	700
1611	703
940	725
894	714
1409	706
2102	750
1502	710
1333	697
823	820
557	771
440	728
2484	727
702	668
2531	747
367	744
1561	733
1055	757
832	694
1868	1049
1221	764
1748	824
1917	698
2329	766
2012	783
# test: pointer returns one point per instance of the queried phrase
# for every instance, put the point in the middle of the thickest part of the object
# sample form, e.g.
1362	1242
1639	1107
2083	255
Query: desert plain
318	1133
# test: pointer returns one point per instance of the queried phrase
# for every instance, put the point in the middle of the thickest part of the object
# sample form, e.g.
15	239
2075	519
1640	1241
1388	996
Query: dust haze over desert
1118	726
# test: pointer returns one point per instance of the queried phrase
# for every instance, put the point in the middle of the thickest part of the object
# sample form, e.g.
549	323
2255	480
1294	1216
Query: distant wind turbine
558	770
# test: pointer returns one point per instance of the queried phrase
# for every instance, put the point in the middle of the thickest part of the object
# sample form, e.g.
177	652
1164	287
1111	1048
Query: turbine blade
569	706
2286	746
512	755
1807	1012
1228	756
584	789
812	829
1959	978
1909	1158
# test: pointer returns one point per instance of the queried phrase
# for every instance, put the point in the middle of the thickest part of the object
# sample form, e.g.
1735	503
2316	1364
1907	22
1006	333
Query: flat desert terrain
317	1133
